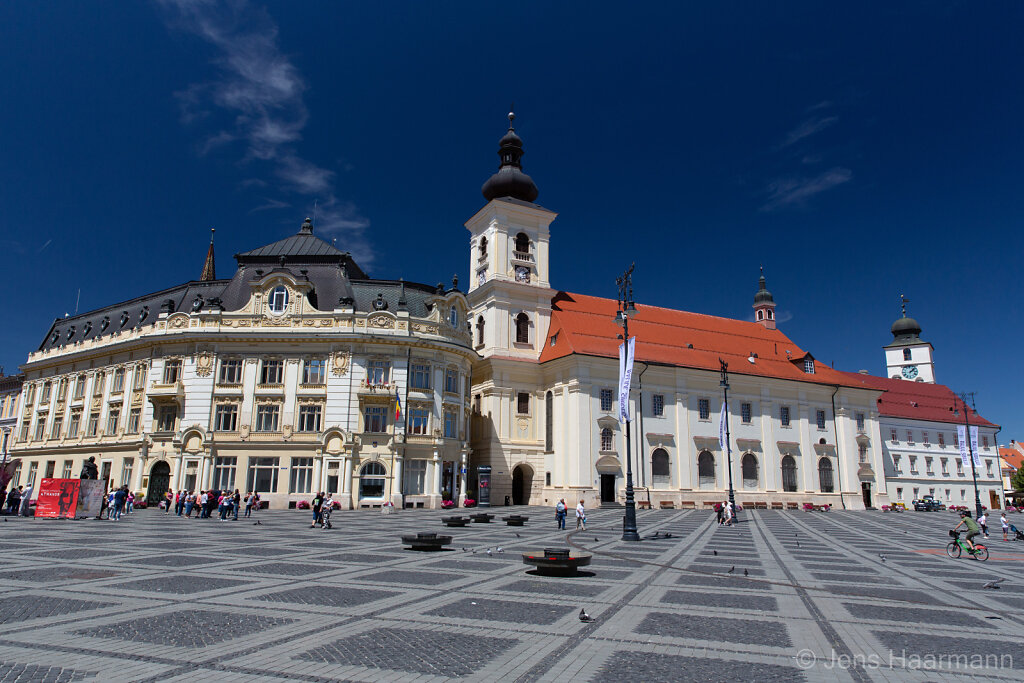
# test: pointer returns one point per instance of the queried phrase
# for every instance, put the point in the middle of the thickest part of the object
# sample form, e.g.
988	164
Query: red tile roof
1011	456
586	325
917	400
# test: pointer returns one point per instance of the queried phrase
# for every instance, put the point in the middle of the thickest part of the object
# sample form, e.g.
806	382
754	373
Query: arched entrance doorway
522	478
159	482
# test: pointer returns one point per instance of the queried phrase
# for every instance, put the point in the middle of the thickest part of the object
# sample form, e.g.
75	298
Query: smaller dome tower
510	181
908	356
764	304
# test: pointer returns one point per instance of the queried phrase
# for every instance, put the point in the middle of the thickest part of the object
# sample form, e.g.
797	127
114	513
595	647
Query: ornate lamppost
970	446
626	309
724	383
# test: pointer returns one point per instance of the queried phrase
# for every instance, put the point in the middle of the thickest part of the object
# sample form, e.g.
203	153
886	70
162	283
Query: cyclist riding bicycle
972	527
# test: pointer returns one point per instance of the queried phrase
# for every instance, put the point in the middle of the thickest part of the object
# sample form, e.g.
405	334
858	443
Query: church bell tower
907	356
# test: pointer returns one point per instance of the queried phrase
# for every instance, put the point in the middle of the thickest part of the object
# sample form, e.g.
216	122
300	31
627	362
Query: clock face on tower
910	371
522	274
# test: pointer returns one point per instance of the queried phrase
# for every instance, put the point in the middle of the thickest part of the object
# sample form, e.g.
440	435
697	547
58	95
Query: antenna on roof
77	299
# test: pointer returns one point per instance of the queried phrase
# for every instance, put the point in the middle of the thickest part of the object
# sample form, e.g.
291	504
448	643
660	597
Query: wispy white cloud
270	204
792	191
45	245
258	99
807	128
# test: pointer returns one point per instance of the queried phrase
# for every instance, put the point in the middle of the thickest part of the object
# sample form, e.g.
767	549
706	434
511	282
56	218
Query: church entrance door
159	480
521	479
865	489
607	488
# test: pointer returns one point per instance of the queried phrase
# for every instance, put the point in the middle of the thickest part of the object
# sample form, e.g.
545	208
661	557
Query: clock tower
509	291
907	356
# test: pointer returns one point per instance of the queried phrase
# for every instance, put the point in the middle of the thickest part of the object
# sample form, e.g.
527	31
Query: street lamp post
626	309
970	447
728	447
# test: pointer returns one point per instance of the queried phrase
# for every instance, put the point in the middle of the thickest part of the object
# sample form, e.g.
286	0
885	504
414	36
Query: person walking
248	503
719	514
130	503
255	502
26	500
325	512
236	502
728	513
168	500
179	502
203	501
318	502
120	495
13	500
581	516
560	511
223	503
1006	526
983	523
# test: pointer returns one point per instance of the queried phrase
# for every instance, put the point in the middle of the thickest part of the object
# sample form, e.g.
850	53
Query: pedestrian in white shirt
581	516
983	523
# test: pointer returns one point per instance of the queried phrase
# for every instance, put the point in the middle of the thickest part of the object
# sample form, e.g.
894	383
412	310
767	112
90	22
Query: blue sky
858	152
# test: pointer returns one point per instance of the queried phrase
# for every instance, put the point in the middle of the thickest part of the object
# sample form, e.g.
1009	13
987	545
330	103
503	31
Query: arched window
278	299
788	474
371	480
659	467
906	354
480	330
549	425
771	314
522	244
522	329
749	467
760	315
483	246
706	470
606	439
825	475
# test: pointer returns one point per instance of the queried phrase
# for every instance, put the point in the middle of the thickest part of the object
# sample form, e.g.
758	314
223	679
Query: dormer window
144	313
522	244
453	317
124	318
278	300
809	366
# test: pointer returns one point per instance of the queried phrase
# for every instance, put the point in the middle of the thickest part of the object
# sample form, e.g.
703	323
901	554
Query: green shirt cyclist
972	527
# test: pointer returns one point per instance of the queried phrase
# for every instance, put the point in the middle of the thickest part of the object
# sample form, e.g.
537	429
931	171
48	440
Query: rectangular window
419	377
224	473
523	403
451	381
165	417
301	475
893	437
268	417
928	466
117	382
310	417
860	422
40	427
375	419
910	437
113	415
704	408
30	394
913	464
94	425
606	400
134	418
419	418
451	424
784	416
959	466
942	439
172	370
45	396
314	371
820	418
139	380
415	476
924	438
32	468
271	371
899	493
862	452
230	371
378	372
945	465
225	417
988	467
809	366
62	390
745	413
659	405
126	472
51	465
262	475
79	386
896	464
66	473
984	442
58	424
24	431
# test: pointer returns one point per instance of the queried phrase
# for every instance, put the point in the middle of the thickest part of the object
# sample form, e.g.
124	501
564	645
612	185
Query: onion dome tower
510	181
907	356
764	304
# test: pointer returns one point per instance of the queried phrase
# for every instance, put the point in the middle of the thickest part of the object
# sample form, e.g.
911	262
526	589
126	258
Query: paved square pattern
863	596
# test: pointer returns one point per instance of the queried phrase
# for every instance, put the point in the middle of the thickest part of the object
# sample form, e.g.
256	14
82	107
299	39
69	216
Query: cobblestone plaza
810	597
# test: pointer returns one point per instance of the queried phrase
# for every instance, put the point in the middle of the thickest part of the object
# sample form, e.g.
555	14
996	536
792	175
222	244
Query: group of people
119	501
17	501
322	506
724	513
226	503
562	510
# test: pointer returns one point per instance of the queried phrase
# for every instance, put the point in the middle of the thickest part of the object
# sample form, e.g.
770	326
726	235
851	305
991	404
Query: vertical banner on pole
974	446
721	429
626	352
961	437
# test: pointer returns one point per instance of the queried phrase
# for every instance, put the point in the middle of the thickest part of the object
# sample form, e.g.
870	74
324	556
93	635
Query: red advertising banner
57	498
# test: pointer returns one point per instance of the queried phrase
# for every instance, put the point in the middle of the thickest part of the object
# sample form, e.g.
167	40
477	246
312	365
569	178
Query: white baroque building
283	379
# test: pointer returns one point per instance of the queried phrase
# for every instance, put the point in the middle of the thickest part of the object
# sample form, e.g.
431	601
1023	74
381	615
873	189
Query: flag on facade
398	405
961	438
626	352
974	446
721	429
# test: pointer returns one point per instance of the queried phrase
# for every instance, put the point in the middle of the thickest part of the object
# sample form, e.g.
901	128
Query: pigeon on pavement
586	618
731	569
994	583
746	573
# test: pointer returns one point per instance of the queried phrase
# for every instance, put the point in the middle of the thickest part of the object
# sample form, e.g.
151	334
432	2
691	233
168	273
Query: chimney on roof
209	270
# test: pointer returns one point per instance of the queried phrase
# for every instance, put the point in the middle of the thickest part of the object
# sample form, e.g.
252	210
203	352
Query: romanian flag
398	405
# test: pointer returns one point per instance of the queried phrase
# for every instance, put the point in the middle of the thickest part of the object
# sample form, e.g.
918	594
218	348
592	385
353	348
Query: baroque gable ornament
204	364
340	363
381	321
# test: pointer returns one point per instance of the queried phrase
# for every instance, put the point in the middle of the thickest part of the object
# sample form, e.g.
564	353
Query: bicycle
956	546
